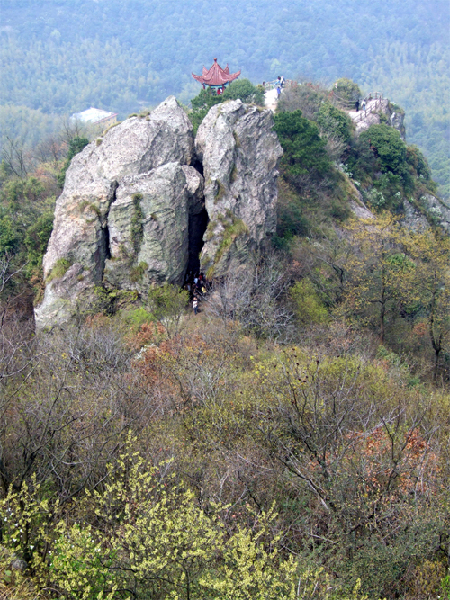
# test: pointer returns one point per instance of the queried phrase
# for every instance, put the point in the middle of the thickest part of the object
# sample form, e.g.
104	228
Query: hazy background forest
62	56
291	440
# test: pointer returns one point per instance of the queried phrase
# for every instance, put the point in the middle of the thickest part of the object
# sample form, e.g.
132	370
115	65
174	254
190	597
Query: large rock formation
378	110
132	212
239	152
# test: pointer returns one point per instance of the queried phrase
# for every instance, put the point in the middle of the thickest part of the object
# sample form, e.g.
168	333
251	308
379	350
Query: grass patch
111	127
233	174
60	268
220	192
137	272
233	228
90	206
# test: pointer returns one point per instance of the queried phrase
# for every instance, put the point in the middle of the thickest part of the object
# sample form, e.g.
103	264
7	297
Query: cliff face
239	152
135	204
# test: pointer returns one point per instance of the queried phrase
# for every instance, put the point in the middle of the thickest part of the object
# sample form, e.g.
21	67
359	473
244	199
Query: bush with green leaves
304	151
147	538
168	304
347	92
334	123
387	146
242	89
308	307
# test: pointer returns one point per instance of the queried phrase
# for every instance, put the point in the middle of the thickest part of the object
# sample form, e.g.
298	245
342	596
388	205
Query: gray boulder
146	157
378	110
149	227
134	209
239	152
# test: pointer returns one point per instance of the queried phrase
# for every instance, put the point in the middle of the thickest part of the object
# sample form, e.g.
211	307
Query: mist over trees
290	441
61	57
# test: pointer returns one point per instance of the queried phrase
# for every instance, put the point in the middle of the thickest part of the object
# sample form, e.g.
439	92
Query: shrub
334	122
346	91
388	146
137	272
60	268
308	307
304	150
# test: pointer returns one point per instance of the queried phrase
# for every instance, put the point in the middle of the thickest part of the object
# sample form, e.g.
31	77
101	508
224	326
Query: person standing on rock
195	305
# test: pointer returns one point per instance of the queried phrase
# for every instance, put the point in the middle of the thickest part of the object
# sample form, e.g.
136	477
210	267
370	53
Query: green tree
308	307
334	122
304	150
76	145
388	146
429	287
346	92
377	272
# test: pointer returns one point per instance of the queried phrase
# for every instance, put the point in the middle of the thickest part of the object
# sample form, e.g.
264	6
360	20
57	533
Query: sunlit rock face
137	201
239	152
375	111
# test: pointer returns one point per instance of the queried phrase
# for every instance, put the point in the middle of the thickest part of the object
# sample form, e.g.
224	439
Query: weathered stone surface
430	210
438	211
151	152
360	210
149	227
376	111
413	219
18	564
78	230
135	146
239	152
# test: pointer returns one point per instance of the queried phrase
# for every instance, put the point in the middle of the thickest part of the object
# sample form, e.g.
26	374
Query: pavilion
216	78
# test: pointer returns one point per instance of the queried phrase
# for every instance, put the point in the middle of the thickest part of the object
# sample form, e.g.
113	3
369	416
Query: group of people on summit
278	84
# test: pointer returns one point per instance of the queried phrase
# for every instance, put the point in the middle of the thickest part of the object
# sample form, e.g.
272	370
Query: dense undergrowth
289	441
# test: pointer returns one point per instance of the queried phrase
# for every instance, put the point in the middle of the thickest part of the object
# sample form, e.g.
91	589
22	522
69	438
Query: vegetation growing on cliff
289	441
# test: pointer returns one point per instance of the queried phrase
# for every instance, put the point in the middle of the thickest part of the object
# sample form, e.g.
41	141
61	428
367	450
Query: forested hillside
62	56
288	441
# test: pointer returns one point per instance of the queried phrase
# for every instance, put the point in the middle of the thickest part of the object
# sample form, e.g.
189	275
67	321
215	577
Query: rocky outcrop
428	210
239	152
137	201
149	227
375	111
126	202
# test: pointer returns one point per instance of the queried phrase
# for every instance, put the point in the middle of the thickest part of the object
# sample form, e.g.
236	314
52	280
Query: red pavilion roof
216	75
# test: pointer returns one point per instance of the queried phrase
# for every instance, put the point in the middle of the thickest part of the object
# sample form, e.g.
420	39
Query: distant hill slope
61	55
